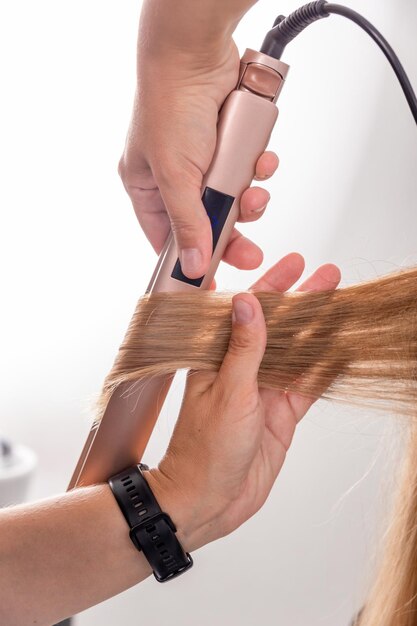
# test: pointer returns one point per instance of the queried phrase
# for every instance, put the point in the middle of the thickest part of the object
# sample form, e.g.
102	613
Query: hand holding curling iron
171	142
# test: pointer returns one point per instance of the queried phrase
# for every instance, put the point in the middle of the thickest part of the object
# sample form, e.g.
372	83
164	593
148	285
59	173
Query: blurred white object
17	465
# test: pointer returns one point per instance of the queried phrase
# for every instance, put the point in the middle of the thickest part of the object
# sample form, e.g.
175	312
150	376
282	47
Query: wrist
178	60
193	531
202	28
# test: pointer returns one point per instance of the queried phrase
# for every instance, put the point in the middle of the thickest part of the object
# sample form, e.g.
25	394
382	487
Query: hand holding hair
232	436
357	344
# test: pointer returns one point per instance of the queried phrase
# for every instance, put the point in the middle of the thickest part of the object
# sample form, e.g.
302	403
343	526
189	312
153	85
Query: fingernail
260	210
242	312
191	261
264	176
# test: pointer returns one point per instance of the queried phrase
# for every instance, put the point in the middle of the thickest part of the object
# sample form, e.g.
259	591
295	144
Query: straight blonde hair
356	344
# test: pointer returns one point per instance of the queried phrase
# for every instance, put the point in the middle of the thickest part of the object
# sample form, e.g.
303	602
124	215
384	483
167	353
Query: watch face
218	207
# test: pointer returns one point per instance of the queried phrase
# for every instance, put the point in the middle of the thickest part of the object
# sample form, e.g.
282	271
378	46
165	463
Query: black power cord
287	28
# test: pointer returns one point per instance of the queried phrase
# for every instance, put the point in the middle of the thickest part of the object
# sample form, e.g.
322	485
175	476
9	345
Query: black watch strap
151	530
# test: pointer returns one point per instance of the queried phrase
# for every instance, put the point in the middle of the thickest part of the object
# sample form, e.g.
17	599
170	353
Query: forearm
62	555
68	553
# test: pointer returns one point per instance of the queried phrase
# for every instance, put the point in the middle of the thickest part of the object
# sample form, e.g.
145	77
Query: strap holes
138	504
125	477
160	544
164	551
134	496
143	512
150	529
127	482
131	488
155	537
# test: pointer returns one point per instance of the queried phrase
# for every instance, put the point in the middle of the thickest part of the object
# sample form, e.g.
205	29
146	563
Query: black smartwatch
151	530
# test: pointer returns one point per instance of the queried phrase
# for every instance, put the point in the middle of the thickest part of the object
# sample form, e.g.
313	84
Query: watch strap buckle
178	572
149	522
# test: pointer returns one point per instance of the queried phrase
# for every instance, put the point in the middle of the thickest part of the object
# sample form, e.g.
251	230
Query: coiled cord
287	28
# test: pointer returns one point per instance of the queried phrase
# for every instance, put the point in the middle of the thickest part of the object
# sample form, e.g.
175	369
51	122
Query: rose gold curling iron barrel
246	120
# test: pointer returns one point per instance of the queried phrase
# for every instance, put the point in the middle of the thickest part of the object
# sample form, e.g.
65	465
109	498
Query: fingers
325	278
151	214
189	222
242	252
283	275
191	225
147	203
253	204
255	199
266	166
247	344
162	202
160	207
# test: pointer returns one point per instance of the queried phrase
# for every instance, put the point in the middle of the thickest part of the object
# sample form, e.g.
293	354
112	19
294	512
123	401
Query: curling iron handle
245	125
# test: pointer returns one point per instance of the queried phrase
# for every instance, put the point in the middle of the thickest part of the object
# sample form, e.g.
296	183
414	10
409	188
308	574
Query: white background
74	262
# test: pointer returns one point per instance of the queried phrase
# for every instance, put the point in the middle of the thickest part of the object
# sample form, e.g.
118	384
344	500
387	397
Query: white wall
74	262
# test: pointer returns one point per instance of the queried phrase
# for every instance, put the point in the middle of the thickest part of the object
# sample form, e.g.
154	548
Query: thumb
247	343
189	222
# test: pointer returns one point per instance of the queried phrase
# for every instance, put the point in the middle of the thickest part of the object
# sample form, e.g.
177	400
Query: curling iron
245	123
